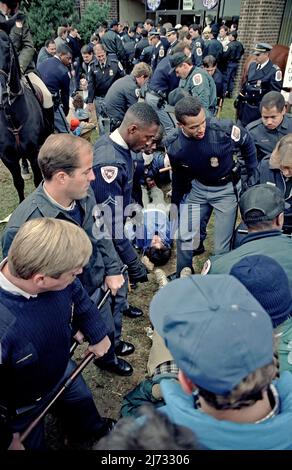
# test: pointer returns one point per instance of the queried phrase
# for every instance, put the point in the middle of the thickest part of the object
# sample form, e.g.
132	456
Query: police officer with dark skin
273	124
56	76
113	170
201	156
198	44
263	76
113	43
125	92
103	73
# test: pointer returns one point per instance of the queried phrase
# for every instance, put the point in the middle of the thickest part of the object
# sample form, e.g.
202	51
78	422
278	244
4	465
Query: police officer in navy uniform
201	156
113	43
103	73
273	125
140	46
113	170
162	82
159	51
213	46
263	76
171	35
56	76
125	92
231	57
198	44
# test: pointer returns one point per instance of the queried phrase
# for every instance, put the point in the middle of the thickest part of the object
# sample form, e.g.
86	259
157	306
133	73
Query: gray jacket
103	260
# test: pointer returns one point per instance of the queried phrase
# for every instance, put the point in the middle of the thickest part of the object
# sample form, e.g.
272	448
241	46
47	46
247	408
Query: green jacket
23	43
270	243
200	83
284	335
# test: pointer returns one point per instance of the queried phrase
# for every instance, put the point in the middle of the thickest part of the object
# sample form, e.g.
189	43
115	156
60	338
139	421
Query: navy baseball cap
216	340
267	199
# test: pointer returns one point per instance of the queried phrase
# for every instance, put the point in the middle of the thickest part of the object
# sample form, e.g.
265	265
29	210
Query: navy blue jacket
209	160
113	170
265	140
56	76
121	95
164	78
101	78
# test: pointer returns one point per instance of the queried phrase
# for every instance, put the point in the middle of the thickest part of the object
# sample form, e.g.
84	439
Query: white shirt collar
9	287
118	139
263	65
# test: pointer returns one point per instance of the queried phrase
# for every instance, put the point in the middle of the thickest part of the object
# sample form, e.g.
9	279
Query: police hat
261	48
266	199
114	23
171	31
233	33
177	59
153	33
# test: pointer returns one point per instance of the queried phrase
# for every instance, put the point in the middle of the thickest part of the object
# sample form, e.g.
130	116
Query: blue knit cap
267	281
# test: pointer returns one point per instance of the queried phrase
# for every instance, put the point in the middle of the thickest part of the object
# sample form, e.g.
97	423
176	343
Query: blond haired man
39	290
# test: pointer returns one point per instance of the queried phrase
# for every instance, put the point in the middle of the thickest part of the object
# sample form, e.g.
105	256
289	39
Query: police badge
109	173
214	162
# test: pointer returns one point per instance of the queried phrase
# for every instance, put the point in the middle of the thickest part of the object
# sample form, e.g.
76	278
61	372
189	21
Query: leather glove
137	271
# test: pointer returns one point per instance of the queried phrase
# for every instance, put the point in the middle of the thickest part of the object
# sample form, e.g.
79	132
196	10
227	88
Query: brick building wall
114	7
260	21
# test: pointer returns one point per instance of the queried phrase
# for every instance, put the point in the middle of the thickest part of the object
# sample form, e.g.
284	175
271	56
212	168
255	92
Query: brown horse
278	56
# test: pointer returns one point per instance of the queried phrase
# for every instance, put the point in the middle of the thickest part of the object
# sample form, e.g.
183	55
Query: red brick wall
114	13
260	21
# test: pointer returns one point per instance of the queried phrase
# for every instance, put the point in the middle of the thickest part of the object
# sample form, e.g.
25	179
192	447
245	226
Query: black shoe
124	348
200	250
171	277
133	312
122	367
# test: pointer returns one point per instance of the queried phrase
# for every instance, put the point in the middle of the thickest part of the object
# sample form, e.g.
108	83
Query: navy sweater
36	338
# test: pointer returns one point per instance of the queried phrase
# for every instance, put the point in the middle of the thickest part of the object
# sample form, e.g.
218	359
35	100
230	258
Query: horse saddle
37	91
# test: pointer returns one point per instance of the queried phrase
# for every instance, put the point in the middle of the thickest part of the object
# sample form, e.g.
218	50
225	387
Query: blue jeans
229	77
75	407
196	210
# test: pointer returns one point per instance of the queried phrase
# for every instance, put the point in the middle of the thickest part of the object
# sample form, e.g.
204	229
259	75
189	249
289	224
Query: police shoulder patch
161	52
199	51
206	268
235	133
278	76
109	173
120	66
197	79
